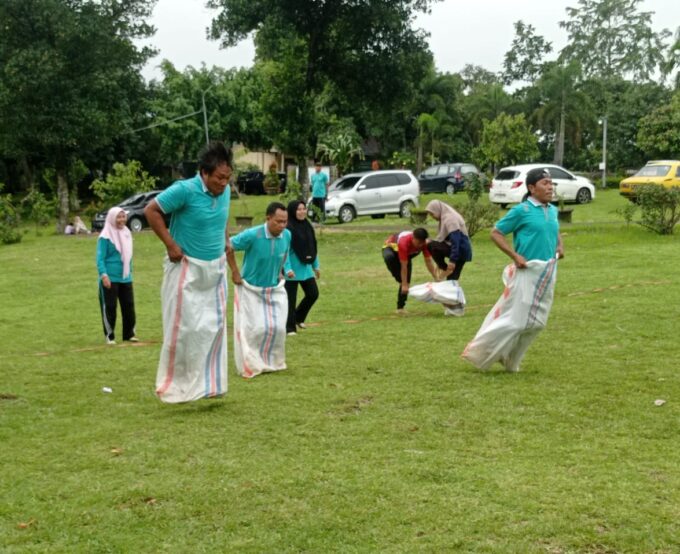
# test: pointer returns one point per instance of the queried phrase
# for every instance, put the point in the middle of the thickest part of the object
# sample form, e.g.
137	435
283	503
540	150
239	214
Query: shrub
9	220
38	208
293	191
659	208
125	180
477	215
627	212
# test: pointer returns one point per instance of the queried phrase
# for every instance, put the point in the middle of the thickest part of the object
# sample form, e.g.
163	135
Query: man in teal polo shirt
319	190
533	223
266	250
193	294
260	300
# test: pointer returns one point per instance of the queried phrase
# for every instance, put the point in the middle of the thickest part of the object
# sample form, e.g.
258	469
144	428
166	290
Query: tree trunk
26	176
62	197
419	159
559	143
303	175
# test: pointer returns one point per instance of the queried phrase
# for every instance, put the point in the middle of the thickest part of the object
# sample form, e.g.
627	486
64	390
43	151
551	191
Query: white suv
509	185
373	193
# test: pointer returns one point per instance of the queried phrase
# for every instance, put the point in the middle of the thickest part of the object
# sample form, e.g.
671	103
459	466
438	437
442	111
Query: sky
477	32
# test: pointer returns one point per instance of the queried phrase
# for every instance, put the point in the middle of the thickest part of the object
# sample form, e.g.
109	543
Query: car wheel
346	214
135	224
405	208
583	196
503	206
450	189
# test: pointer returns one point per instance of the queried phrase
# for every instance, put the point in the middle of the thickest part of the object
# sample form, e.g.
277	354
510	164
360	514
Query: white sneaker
302	326
133	339
292	333
110	342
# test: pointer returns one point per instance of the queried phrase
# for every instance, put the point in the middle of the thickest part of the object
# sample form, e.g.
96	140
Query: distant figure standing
452	240
114	263
375	165
305	265
319	190
193	361
398	251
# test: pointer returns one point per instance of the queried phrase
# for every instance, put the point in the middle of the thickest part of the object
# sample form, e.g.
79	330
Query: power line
164	122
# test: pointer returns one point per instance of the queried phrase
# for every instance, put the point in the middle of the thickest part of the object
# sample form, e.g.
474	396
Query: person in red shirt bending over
398	251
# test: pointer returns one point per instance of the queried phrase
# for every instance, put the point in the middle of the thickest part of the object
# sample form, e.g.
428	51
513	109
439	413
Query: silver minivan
375	193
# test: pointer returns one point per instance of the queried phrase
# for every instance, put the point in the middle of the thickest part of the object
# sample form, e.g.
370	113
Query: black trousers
321	204
440	251
108	299
394	265
299	314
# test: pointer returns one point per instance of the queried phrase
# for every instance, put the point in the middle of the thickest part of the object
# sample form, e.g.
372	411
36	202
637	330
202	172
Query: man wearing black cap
533	223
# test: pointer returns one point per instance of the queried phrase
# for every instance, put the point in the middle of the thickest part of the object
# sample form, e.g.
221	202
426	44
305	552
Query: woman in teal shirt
305	265
114	264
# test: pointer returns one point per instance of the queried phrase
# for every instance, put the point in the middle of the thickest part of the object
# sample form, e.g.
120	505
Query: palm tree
563	104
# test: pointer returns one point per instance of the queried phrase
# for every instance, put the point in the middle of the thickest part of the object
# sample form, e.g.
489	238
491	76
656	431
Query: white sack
193	361
448	293
519	315
260	315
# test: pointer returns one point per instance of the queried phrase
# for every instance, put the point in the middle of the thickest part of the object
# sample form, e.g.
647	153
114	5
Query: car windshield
132	200
506	175
345	184
653	171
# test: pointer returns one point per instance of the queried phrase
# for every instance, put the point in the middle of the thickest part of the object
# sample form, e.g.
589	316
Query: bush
38	208
659	207
293	191
9	220
125	180
627	212
477	215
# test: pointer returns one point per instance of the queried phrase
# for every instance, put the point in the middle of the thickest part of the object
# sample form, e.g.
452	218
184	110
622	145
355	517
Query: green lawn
379	438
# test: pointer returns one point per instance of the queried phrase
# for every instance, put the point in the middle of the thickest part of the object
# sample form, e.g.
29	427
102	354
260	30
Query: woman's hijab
120	238
449	219
303	239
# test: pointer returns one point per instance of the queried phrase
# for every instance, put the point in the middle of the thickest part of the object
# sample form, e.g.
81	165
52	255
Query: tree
328	55
340	145
70	79
524	60
672	61
506	140
563	104
613	38
659	132
232	99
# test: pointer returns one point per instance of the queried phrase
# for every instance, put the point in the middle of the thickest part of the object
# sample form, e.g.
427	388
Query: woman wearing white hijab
114	263
452	240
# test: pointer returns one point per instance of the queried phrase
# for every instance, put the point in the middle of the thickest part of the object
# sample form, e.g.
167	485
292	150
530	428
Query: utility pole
205	115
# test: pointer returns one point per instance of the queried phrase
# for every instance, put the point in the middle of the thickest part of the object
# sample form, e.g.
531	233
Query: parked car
134	208
448	177
374	193
252	182
665	173
509	185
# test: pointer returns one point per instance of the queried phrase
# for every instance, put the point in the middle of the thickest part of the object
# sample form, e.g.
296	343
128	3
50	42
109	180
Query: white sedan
509	185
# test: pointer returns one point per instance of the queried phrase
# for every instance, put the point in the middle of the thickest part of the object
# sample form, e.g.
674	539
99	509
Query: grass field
379	438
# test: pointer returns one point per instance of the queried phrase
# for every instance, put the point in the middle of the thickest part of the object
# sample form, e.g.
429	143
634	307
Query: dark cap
535	175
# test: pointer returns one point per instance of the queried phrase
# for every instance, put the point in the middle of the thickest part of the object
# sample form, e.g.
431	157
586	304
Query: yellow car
658	172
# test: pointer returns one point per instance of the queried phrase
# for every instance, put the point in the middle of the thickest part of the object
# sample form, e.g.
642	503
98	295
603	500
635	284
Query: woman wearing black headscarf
304	263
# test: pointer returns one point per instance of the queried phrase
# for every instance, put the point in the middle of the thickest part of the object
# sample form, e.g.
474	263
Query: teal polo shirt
535	229
199	219
265	255
319	181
